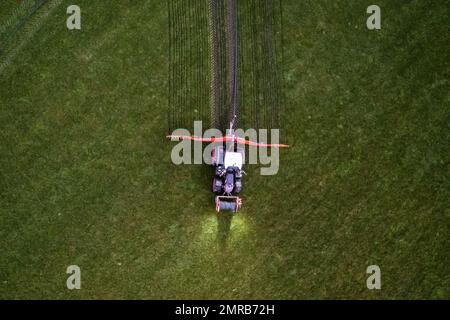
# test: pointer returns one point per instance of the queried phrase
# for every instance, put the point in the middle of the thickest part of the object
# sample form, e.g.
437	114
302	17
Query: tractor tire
238	186
217	185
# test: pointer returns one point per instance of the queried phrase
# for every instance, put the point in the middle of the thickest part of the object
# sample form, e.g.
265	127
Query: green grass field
86	176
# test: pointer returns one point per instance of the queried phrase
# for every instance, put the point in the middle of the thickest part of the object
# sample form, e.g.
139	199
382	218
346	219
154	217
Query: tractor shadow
224	219
223	228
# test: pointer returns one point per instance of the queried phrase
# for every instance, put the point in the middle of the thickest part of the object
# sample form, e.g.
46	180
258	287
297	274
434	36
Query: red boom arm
229	138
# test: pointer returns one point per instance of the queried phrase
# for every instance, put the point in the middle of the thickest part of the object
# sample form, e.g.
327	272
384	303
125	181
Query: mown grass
86	176
8	8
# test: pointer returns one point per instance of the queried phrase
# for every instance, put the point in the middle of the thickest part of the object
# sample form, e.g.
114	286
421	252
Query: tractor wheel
238	186
217	185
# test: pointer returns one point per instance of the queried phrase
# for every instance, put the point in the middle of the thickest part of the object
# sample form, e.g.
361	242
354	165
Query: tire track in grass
26	34
14	17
